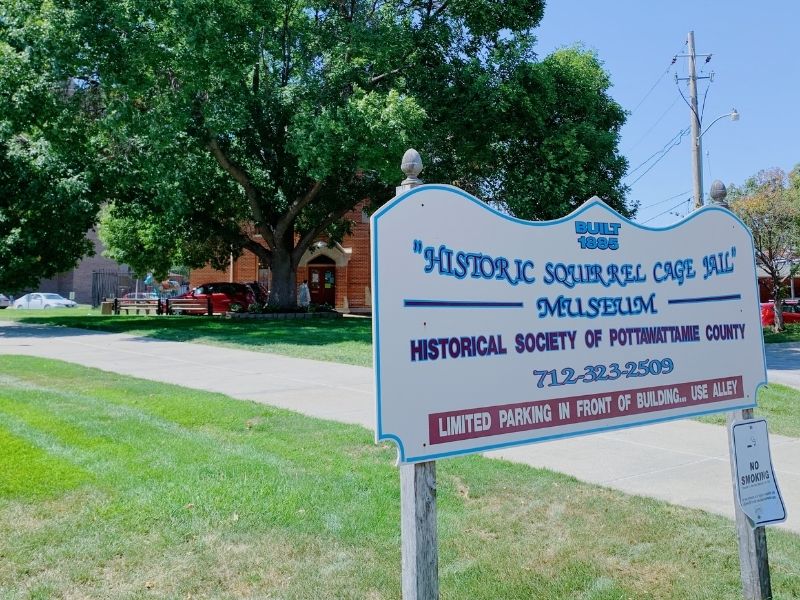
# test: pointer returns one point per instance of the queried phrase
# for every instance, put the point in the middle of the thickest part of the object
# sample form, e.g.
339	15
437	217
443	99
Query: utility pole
697	148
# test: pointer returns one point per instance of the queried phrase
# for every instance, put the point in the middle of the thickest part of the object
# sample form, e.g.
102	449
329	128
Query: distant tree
237	124
769	204
47	200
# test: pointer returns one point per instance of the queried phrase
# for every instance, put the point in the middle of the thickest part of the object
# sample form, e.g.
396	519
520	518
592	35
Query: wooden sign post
418	529
420	552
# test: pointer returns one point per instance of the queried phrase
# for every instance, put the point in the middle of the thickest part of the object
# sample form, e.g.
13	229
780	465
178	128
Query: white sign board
756	486
490	331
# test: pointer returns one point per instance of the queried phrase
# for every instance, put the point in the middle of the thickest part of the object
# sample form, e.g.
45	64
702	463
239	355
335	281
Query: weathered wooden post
420	555
420	551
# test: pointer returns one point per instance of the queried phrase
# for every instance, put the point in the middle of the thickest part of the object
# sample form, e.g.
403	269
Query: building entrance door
322	284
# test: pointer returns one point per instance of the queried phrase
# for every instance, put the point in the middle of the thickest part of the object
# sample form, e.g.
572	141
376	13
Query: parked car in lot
791	312
4	301
37	300
225	297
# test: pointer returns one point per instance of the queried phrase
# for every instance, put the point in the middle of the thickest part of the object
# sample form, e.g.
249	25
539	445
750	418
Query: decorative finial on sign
411	166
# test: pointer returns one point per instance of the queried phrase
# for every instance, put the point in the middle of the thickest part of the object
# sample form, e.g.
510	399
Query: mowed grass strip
30	472
778	404
791	333
346	340
173	493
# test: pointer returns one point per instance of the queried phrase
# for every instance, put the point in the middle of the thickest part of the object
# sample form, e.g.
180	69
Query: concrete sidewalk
683	462
783	363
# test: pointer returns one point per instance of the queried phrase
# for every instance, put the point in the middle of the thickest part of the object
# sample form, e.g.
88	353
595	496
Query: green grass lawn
346	340
779	404
113	487
790	334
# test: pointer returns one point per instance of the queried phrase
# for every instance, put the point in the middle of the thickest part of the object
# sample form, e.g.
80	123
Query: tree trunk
283	292
778	305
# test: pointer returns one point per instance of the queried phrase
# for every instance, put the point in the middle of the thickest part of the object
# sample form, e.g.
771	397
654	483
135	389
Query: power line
653	155
703	107
665	200
660	158
653	126
658	80
687	102
650	91
666	211
673	141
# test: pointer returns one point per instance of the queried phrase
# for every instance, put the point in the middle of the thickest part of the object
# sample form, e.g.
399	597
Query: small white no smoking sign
756	488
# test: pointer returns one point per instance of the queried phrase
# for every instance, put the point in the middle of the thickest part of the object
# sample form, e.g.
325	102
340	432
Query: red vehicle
791	312
225	296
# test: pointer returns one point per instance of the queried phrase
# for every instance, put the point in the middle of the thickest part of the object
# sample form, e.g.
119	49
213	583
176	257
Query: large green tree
769	204
47	199
257	124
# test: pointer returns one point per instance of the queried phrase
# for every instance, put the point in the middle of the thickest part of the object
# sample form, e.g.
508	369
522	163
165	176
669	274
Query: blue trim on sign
592	202
376	340
705	299
459	304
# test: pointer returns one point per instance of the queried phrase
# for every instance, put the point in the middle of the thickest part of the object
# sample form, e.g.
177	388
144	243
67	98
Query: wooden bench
135	306
179	306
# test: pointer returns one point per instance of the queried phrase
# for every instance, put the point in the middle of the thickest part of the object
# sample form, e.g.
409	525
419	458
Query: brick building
82	281
791	286
337	274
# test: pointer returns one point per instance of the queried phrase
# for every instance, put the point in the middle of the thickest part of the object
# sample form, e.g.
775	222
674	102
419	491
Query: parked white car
43	301
4	301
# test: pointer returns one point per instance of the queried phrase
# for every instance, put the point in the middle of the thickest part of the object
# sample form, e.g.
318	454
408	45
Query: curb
279	316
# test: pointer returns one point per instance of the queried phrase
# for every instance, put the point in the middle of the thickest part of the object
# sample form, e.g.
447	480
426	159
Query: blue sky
756	60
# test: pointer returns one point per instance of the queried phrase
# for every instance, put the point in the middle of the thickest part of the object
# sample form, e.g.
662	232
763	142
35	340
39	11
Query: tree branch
441	8
256	78
382	76
432	14
241	177
287	59
305	240
374	8
291	213
259	250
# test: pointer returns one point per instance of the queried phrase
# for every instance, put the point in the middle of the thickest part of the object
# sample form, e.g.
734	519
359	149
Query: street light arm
734	115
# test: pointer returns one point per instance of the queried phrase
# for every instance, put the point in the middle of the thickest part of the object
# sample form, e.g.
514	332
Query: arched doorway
322	280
